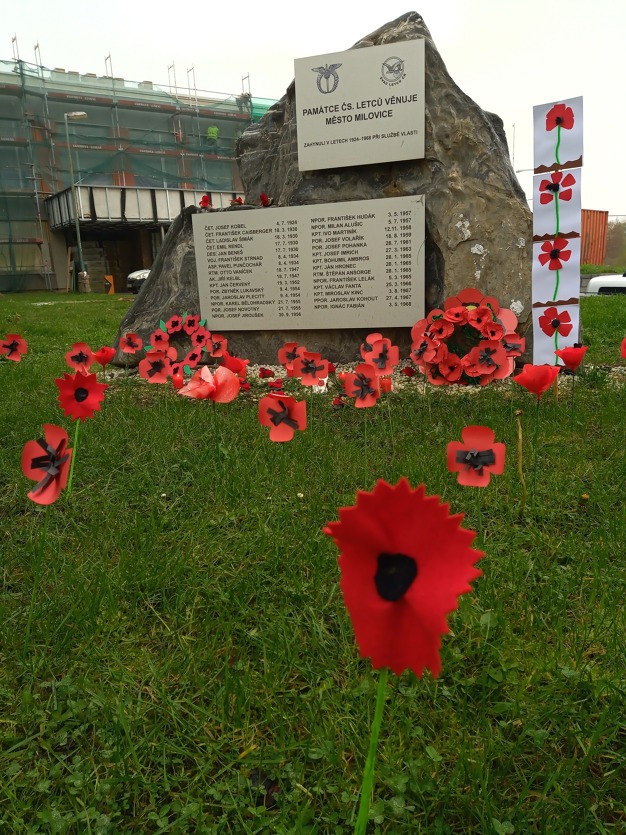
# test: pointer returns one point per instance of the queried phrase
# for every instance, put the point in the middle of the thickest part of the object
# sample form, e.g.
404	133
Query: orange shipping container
593	236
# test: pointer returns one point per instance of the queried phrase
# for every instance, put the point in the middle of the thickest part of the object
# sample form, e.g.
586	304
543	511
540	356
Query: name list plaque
331	265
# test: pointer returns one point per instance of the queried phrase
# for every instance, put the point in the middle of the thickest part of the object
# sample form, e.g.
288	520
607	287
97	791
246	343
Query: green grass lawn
191	667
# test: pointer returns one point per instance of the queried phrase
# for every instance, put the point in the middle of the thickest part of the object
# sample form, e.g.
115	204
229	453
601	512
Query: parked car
605	285
134	281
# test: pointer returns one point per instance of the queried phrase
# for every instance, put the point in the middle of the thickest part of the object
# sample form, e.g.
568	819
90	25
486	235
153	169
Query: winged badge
327	73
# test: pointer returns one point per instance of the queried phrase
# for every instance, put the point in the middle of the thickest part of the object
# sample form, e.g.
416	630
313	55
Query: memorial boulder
478	227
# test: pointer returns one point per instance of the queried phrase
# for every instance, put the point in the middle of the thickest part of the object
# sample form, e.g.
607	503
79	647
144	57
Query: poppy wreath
472	341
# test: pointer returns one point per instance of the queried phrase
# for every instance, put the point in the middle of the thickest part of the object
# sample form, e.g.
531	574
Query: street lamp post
74	116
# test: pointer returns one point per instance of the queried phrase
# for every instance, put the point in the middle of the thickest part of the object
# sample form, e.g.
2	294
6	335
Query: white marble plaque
360	106
332	265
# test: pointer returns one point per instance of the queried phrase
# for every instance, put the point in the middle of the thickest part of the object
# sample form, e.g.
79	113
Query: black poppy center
394	576
559	120
81	394
381	359
363	388
485	357
12	346
132	344
156	368
554	187
80	357
555	253
555	323
309	367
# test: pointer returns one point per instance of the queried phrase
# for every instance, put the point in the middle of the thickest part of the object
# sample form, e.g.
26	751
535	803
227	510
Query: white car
605	285
134	281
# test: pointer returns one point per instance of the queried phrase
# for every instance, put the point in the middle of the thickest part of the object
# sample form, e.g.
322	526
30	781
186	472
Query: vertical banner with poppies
558	135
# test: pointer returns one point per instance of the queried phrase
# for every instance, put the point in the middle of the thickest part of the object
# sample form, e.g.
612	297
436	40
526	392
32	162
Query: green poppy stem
558	143
556	286
69	481
535	439
479	490
556	209
33	595
368	773
556	346
571	408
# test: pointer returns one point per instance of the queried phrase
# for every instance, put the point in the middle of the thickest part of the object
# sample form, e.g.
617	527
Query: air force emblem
328	74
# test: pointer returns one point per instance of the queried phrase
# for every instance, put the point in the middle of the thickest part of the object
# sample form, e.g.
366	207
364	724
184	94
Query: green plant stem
556	286
479	490
71	476
556	209
368	773
571	408
33	596
535	438
558	143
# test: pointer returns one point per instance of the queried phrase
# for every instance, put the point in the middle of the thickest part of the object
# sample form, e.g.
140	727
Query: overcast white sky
507	55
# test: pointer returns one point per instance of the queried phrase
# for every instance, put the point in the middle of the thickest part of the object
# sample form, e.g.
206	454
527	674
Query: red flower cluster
470	341
205	202
13	347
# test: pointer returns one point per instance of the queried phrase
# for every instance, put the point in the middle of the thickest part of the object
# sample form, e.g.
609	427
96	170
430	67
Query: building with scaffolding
128	155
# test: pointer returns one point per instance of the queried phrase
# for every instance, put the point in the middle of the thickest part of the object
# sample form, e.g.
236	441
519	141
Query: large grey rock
478	226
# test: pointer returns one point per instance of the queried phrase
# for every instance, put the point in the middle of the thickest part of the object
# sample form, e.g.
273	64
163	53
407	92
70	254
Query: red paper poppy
456	315
557	184
243	385
477	458
104	356
174	325
193	357
265	372
339	403
289	353
479	317
552	321
368	345
80	357
408	371
560	116
155	367
492	330
221	387
537	379
236	202
331	367
200	337
235	364
283	416
572	356
13	347
554	253
264	199
451	368
130	343
470	298
486	359
434	375
217	345
428	350
80	395
311	368
191	324
363	385
384	356
440	329
205	202
47	461
159	338
623	348
514	345
404	562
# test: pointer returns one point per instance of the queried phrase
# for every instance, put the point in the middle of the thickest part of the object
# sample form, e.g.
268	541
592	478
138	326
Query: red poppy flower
408	371
404	562
492	330
47	461
384	356
311	368
486	359
205	202
283	416
479	317
573	356
80	395
428	350
80	357
13	347
275	385
557	184
289	353
552	321
339	403
159	338
514	345
174	325
623	348
554	253
193	357
477	458
440	328
200	337
235	364
265	372
451	368
264	199
221	387
104	356
363	385
243	385
191	324
470	298
456	315
537	379
434	375
236	202
331	367
217	345
560	116
155	367
368	345
130	343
